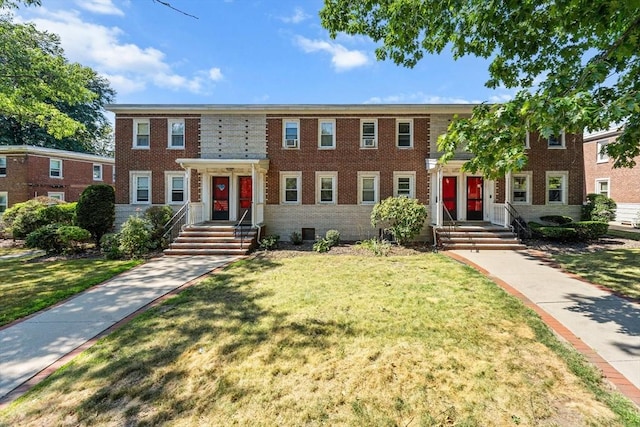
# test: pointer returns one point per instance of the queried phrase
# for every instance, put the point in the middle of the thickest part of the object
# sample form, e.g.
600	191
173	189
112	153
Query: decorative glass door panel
450	198
220	198
245	198
474	198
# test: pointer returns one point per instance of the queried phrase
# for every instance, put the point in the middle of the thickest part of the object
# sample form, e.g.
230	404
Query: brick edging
618	380
46	372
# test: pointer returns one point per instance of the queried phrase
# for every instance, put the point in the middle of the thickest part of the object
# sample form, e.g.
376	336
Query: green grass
624	234
30	286
618	269
330	340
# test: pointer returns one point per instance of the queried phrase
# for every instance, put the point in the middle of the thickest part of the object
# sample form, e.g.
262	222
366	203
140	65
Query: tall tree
574	63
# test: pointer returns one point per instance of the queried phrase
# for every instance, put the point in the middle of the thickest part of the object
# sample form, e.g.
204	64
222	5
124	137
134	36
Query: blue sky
245	52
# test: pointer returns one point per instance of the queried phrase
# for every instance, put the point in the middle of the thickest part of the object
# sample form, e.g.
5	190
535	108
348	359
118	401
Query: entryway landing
214	238
476	235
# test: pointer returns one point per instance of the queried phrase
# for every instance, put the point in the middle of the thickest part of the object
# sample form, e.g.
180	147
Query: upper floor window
327	137
4	201
404	184
326	187
602	187
97	172
291	134
55	168
557	187
369	133
601	154
405	133
141	187
175	188
3	166
556	140
368	187
176	133
141	134
290	188
521	189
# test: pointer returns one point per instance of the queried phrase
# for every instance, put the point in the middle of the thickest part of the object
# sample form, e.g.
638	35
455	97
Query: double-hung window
56	195
97	172
368	187
4	201
290	188
601	152
327	134
176	133
327	187
175	185
405	133
55	168
368	133
141	187
602	187
291	134
557	187
556	140
521	189
404	184
141	134
3	166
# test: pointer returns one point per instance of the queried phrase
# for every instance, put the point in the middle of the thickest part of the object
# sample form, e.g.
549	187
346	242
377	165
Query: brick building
602	178
310	168
28	171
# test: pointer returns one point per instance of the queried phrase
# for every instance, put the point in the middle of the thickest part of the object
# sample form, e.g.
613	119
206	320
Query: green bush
589	230
321	245
63	213
269	242
375	245
57	239
135	237
598	208
158	216
96	210
110	246
295	238
561	234
557	219
401	216
332	237
73	238
26	217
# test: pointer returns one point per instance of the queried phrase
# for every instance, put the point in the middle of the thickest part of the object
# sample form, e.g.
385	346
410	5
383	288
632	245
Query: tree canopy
574	63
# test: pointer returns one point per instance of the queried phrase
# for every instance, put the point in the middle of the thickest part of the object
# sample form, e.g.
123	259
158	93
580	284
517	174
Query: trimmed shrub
332	237
589	230
26	217
558	233
401	216
135	237
557	219
57	239
158	216
295	238
110	246
63	213
73	238
598	208
269	242
96	210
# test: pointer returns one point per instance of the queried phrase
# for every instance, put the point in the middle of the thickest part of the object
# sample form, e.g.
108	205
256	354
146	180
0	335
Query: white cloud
128	67
103	7
215	74
297	17
342	58
418	98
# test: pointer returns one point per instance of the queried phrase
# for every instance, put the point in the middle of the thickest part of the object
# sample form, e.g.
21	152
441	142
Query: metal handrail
239	226
178	219
447	229
517	221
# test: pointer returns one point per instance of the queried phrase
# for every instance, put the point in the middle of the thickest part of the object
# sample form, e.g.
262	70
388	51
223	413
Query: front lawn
329	340
29	286
616	269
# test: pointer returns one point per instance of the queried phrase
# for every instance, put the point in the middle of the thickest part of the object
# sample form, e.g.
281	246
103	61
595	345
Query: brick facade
27	173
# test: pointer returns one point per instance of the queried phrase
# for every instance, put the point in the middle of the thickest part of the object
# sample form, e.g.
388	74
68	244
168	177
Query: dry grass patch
323	340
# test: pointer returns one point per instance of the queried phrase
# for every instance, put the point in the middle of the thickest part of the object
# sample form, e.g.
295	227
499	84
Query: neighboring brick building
310	168
27	171
621	184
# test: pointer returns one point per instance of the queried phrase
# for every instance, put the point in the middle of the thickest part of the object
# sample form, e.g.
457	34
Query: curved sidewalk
601	325
32	345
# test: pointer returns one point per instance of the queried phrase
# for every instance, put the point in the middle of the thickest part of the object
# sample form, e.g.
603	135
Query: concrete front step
477	237
221	245
193	252
213	240
479	234
483	246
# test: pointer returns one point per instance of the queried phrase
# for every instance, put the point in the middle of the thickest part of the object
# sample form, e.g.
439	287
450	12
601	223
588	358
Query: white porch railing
196	214
499	215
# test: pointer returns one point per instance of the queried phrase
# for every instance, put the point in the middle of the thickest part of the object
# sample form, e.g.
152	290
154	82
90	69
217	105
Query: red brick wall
623	182
347	158
157	159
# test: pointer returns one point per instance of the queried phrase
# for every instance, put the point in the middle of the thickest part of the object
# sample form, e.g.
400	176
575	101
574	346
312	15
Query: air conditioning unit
291	143
369	142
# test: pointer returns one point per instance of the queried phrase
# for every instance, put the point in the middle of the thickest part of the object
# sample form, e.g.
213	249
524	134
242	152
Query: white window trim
527	175
50	169
99	178
135	134
334	194
601	157
5	165
56	195
283	187
284	134
333	137
565	186
376	186
170	122
4	194
412	182
375	134
168	179
599	180
562	145
398	122
133	189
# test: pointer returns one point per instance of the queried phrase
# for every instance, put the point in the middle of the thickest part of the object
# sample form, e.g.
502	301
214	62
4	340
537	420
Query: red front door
220	199
474	198
450	197
246	197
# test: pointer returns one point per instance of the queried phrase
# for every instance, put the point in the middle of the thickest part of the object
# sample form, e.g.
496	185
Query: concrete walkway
30	346
579	311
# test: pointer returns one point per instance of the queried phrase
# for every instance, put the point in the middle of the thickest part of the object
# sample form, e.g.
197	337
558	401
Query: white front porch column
254	193
439	197
508	196
187	194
